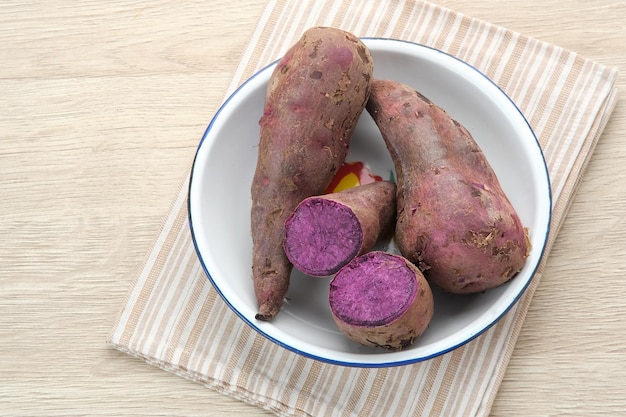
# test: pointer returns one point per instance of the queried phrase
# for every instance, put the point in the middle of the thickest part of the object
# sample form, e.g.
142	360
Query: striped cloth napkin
174	319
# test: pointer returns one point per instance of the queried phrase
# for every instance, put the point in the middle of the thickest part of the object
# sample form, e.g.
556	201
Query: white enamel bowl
219	206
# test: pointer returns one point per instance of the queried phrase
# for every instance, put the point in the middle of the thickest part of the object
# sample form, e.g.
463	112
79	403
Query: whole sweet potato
326	232
381	300
454	220
314	98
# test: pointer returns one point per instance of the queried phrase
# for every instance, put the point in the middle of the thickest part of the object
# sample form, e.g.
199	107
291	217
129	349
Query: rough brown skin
381	300
326	232
314	99
454	220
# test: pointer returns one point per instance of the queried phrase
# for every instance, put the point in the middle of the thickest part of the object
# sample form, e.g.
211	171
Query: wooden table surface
102	104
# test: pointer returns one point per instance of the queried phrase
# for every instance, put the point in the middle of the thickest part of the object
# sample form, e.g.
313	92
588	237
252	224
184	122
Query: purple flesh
373	290
321	236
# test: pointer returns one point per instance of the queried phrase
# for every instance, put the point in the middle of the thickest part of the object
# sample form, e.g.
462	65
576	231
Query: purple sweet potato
326	232
382	300
454	220
314	99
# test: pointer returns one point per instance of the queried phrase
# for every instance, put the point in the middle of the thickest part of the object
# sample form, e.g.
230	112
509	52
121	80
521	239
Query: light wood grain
101	107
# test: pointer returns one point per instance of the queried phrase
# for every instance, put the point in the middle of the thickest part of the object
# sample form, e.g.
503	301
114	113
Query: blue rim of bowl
372	364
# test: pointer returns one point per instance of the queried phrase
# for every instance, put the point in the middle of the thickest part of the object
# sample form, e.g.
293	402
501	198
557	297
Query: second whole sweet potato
314	99
454	220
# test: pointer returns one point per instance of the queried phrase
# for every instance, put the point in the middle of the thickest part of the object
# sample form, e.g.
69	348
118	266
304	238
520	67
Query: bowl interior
219	205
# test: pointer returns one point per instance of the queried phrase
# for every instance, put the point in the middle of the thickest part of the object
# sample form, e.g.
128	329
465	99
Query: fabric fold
175	320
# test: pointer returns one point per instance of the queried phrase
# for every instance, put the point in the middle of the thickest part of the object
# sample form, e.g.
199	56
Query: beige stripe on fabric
174	319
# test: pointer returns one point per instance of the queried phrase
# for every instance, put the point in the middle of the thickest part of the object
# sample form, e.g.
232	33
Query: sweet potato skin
314	99
454	220
326	232
381	300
